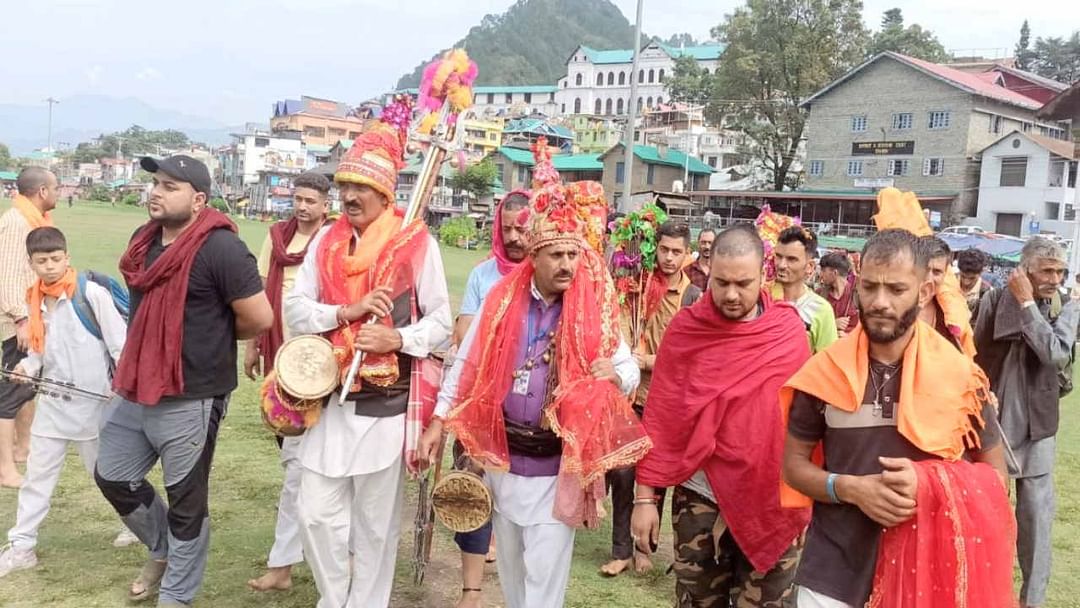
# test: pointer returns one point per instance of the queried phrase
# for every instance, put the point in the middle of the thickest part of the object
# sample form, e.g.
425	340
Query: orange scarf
957	314
33	216
35	296
941	390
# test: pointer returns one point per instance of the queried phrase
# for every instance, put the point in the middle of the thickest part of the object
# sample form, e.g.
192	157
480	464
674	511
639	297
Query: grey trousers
182	434
1034	516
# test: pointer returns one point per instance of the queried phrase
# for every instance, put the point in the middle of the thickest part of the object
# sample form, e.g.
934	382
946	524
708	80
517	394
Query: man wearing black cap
176	372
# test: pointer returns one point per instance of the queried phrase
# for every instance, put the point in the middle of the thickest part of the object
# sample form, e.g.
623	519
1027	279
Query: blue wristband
830	487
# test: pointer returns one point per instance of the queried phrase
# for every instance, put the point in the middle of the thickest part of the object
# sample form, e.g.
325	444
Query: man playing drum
365	264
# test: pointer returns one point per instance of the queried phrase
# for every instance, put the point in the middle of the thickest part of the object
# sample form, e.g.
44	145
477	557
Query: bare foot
490	557
11	480
275	579
471	599
21	455
615	567
642	563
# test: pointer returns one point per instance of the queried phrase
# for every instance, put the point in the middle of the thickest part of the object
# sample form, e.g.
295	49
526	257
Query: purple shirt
528	408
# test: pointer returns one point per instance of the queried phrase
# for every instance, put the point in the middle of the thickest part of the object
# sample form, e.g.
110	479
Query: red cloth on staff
281	234
151	366
714	405
957	551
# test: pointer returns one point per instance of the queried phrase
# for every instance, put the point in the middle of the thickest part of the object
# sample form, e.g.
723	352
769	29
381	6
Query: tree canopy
133	141
913	40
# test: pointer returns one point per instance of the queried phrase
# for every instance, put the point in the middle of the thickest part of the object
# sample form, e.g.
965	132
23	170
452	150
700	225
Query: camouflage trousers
714	573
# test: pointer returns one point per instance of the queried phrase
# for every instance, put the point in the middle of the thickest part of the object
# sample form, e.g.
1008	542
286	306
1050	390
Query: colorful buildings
320	121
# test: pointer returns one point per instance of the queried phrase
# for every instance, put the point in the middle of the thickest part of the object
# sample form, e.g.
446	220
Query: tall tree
1023	53
913	40
1058	58
694	85
6	162
778	53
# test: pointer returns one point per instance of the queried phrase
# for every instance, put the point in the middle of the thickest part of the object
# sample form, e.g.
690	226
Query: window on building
521	173
641	76
1013	172
661	78
1057	173
622	78
902	121
939	120
640	104
648	102
933	166
354	134
817	168
659	101
652	76
491	96
313	131
577	105
563	109
650	174
577	81
1073	167
509	98
619	107
1052	210
1070	213
854	168
262	142
599	79
620	172
858	123
711	161
607	107
500	169
610	78
551	97
528	97
898	167
599	107
1026	127
995	123
337	132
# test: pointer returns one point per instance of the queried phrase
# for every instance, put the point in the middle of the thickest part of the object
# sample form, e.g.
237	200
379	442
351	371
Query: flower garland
634	261
769	226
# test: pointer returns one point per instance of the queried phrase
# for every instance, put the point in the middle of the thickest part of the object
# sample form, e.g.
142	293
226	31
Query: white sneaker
12	559
126	538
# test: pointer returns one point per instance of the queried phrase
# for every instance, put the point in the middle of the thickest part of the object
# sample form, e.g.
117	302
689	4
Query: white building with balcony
1027	186
598	82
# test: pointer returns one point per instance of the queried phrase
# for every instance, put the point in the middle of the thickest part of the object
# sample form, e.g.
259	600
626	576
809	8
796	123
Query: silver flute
52	388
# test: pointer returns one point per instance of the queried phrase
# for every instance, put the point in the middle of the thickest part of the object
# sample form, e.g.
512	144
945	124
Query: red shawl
713	405
599	429
498	250
281	234
152	363
958	550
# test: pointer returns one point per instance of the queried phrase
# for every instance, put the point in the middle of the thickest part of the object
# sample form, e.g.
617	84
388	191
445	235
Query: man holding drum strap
365	264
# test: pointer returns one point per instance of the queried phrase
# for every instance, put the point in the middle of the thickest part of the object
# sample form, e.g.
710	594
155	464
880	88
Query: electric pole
628	162
51	101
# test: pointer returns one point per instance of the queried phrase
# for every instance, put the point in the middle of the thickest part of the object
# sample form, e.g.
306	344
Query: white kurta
343	444
72	354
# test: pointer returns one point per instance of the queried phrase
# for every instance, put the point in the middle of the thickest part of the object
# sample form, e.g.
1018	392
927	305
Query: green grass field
79	568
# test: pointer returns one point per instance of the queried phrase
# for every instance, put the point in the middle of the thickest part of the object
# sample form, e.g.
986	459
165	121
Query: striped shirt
16	275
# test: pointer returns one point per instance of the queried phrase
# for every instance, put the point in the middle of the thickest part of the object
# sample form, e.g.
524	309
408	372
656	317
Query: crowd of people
841	436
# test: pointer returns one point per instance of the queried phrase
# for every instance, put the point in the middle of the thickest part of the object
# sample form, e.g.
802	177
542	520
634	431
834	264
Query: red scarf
599	430
498	250
152	363
958	550
281	234
728	423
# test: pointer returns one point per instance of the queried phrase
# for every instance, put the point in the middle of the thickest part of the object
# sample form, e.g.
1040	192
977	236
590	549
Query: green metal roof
537	126
615	56
9	176
709	51
673	158
345	143
562	162
527	88
317	148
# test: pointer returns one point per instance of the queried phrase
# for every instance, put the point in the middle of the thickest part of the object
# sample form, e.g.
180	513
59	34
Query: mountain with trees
530	42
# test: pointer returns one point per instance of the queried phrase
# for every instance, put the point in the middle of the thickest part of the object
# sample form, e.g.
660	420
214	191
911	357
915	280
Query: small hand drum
306	368
462	502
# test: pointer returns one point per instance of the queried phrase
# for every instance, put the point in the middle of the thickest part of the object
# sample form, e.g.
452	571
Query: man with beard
1024	346
669	291
509	243
195	290
794	255
280	258
35	197
537	395
714	419
698	270
890	393
366	264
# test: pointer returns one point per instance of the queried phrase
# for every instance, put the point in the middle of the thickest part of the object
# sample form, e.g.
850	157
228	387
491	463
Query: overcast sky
230	59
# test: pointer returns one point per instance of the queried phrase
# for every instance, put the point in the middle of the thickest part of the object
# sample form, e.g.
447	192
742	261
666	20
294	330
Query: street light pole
628	161
51	103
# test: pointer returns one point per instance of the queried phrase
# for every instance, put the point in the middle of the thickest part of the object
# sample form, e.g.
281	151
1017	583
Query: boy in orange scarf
898	414
62	349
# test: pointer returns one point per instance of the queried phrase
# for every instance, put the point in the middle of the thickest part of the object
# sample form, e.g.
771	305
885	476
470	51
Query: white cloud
148	73
93	73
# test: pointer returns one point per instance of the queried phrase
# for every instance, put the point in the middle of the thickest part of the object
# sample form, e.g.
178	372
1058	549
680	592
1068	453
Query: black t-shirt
224	270
842	542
